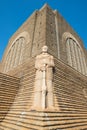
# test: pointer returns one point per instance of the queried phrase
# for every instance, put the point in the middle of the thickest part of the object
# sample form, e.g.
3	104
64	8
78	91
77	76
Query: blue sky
14	12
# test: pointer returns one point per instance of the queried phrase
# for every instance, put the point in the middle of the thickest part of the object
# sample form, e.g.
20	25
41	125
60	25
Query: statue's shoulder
38	56
51	57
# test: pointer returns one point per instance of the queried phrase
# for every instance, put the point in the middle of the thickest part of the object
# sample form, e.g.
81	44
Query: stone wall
63	27
24	97
70	111
9	87
70	88
26	31
44	27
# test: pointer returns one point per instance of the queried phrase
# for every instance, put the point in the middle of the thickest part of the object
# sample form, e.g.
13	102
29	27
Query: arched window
15	54
75	56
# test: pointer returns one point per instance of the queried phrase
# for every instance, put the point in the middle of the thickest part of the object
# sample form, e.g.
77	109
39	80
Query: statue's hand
43	67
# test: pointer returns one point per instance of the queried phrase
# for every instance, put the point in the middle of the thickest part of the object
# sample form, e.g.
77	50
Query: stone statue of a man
43	91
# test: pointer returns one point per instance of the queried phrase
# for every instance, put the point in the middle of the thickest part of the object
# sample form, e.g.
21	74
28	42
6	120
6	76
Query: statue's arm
52	61
38	64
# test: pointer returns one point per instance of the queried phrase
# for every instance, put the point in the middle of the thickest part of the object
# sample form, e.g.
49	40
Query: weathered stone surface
43	88
9	87
65	77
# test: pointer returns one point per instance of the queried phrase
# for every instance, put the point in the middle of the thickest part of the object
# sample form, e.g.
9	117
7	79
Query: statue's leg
37	90
49	77
44	89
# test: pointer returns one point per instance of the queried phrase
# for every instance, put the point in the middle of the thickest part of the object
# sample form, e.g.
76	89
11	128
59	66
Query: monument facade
43	76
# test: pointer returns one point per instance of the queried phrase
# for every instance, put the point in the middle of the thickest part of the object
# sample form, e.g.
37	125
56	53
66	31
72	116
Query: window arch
15	54
75	55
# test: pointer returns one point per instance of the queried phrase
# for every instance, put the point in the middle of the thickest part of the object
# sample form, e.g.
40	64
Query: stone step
45	121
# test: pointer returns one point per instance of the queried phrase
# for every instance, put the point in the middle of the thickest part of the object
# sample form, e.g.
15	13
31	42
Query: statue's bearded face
44	49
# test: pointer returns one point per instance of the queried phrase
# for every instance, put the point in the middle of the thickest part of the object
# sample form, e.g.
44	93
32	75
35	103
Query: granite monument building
43	83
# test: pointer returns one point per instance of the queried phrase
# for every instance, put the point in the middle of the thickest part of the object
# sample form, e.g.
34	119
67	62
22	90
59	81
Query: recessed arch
67	35
15	53
23	34
75	54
